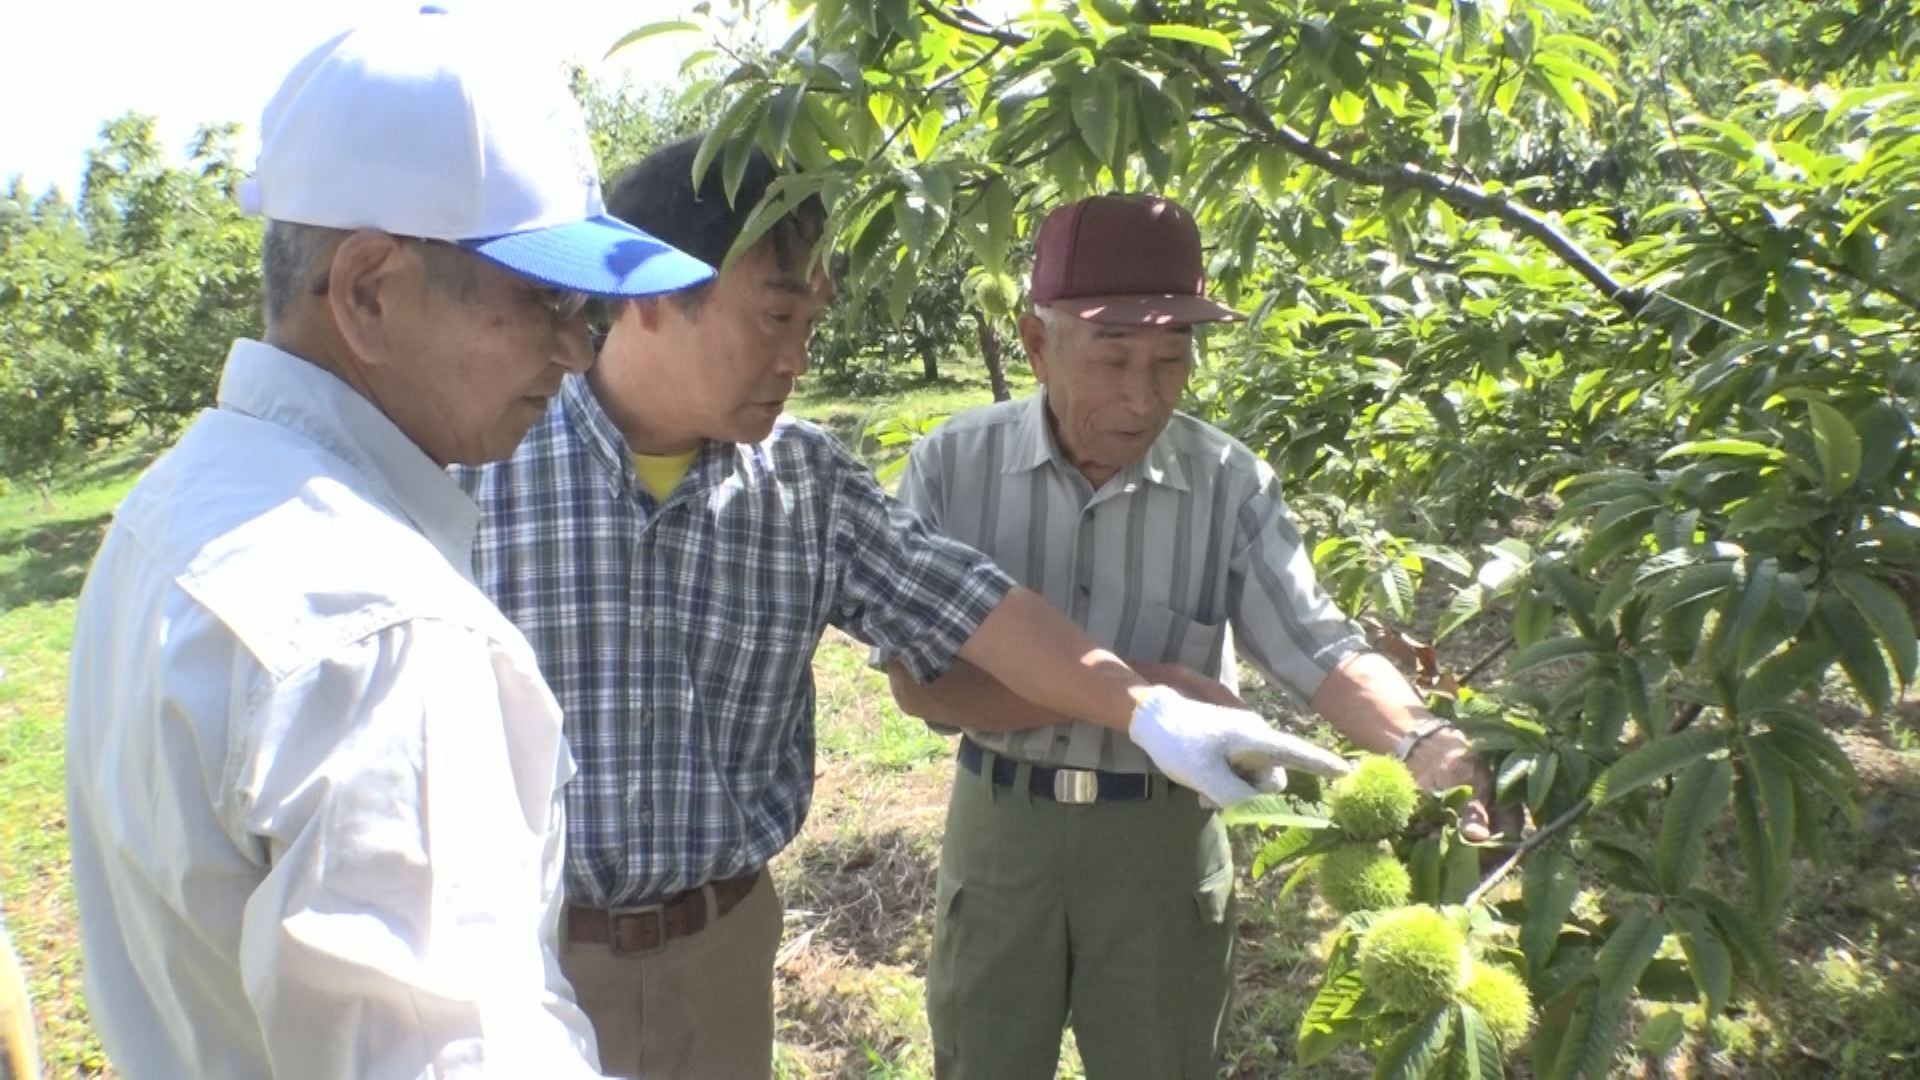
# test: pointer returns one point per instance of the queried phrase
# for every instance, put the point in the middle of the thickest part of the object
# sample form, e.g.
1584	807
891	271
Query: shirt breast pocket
1163	635
754	642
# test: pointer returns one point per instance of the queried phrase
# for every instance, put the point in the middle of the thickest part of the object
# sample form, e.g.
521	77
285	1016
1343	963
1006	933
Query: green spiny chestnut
1363	877
1502	1001
1374	801
1413	958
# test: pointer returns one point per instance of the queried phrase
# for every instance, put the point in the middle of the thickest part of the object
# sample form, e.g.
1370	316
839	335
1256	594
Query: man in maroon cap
1076	881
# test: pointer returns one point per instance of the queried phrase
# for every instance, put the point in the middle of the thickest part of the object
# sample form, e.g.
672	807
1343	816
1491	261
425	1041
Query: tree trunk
990	353
929	362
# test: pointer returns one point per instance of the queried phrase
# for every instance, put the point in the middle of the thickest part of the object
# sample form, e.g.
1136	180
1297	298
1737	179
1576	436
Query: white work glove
1225	755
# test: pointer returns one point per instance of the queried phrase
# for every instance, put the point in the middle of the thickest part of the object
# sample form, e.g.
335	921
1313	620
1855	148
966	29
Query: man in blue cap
313	773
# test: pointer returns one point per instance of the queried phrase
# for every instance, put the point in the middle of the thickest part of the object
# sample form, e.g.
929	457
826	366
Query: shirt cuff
980	591
1306	679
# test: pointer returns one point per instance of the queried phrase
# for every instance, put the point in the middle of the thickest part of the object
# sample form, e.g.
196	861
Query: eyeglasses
564	305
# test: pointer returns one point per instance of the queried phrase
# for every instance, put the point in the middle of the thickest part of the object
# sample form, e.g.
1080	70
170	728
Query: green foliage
1374	801
116	314
625	124
1363	877
1414	958
1616	299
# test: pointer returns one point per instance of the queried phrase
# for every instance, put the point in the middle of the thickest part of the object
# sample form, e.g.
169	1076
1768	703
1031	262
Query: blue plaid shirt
679	636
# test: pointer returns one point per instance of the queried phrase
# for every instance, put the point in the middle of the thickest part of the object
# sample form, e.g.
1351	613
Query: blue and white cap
424	126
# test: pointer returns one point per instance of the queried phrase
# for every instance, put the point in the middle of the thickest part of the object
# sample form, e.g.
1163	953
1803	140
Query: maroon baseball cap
1127	259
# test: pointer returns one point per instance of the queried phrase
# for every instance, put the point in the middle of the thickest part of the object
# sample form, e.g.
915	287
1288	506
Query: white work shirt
313	775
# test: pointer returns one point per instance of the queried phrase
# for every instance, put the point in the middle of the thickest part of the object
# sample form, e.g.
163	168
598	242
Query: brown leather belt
648	927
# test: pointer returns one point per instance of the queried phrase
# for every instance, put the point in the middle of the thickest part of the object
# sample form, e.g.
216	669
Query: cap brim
1173	309
600	255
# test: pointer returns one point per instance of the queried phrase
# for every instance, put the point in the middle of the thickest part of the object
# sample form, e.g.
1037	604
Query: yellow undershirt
661	473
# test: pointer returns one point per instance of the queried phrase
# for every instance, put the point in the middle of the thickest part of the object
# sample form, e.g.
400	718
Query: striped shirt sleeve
1284	623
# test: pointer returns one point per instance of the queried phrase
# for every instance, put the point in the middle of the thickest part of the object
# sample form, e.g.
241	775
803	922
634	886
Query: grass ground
45	546
858	884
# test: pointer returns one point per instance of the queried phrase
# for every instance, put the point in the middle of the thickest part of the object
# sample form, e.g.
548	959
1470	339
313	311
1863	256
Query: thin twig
965	71
1484	662
1693	180
1686	717
1218	87
1810	257
1527	847
978	27
1221	89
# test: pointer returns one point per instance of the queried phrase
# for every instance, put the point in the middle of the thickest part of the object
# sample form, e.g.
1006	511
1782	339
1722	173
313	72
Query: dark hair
658	195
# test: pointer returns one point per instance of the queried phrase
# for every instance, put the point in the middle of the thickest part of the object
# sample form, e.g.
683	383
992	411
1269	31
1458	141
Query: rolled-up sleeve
405	793
1283	622
903	588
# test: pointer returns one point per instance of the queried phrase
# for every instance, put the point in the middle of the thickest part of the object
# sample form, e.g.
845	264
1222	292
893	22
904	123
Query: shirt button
646	812
646	716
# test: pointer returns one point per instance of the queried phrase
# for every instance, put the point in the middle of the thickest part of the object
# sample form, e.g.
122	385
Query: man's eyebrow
1109	332
791	285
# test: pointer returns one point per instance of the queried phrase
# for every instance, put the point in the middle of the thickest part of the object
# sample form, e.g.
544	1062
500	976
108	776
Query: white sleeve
406	791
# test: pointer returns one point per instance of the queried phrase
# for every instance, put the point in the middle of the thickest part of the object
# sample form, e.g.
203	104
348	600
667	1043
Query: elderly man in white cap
313	773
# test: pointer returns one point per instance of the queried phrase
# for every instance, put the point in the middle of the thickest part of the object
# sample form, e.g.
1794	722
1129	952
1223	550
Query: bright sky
67	66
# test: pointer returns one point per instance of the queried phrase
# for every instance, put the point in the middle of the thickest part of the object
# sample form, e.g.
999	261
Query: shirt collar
280	388
1034	446
1032	440
609	449
604	443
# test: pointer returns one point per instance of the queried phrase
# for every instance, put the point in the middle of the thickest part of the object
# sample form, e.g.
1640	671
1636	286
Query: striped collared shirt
679	636
1181	557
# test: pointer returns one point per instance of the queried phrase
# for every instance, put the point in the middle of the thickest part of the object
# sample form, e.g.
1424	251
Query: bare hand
1444	761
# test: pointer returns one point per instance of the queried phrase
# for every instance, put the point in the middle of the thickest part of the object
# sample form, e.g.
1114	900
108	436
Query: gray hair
293	259
1053	319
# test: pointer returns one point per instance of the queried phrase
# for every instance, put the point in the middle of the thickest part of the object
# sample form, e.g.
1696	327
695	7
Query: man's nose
792	360
1138	392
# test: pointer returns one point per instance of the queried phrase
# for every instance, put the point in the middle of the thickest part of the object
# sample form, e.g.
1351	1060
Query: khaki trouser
1114	917
18	1058
700	1009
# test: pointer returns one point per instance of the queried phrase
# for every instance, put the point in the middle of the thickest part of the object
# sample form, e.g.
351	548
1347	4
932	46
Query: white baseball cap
423	126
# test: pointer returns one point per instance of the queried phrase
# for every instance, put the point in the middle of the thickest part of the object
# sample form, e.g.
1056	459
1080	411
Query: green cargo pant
1113	916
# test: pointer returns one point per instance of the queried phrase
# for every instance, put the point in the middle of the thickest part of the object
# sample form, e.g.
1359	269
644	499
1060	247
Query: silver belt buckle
1076	786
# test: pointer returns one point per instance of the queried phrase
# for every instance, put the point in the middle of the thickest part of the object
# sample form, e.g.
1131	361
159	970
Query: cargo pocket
1214	897
1211	968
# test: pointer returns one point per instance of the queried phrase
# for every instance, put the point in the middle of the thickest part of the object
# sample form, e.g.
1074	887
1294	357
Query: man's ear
1033	337
368	283
648	312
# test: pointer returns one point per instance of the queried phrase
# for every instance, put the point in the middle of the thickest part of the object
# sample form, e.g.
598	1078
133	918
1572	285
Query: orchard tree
1607	315
116	314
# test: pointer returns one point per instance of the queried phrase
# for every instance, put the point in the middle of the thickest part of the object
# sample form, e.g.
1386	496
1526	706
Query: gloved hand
1224	754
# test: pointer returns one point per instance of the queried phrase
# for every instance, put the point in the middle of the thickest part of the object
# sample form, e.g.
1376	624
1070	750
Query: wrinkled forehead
1091	336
